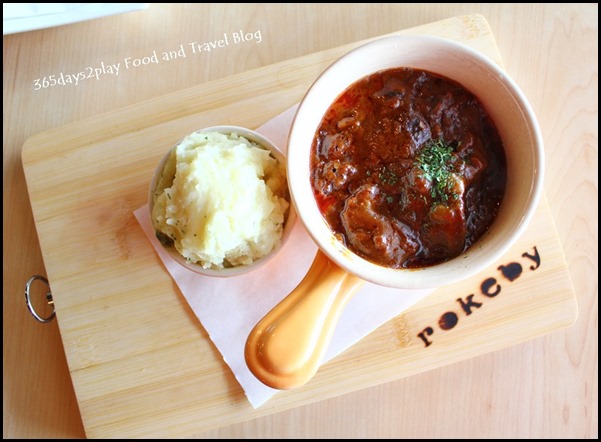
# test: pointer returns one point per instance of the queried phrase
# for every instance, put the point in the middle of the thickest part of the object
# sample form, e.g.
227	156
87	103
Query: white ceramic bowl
506	105
288	223
286	347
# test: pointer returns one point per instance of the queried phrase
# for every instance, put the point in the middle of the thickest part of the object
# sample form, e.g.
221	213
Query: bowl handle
286	348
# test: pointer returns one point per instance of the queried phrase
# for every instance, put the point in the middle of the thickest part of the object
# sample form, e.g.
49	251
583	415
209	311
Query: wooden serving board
141	363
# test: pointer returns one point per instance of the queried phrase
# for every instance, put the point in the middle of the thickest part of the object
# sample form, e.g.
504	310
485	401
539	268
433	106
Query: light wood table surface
543	388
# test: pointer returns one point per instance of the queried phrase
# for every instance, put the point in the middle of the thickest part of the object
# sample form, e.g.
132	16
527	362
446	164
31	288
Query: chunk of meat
381	239
333	175
446	229
334	145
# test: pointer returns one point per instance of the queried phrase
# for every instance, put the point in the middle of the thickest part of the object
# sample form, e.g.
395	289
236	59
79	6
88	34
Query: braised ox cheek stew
407	168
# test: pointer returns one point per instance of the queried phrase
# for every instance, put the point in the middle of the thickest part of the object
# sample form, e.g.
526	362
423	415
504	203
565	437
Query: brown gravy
407	168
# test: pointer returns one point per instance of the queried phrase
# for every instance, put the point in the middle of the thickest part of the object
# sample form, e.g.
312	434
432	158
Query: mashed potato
221	200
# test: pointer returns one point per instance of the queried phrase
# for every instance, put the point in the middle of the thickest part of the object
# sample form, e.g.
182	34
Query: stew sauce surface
407	168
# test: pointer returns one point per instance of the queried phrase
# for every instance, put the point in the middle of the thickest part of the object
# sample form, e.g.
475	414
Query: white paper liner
229	308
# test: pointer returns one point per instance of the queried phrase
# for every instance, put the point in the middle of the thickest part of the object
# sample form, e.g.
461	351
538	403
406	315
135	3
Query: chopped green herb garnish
435	162
387	176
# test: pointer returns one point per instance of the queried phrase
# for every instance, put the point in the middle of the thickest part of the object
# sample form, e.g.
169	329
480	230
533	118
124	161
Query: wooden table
543	388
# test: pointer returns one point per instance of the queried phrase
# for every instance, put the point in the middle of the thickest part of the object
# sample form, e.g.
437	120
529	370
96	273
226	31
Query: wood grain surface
140	364
542	388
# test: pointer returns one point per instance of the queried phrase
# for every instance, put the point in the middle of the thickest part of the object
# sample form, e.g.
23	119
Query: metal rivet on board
48	299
